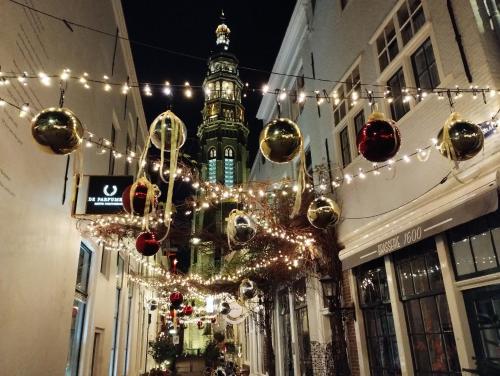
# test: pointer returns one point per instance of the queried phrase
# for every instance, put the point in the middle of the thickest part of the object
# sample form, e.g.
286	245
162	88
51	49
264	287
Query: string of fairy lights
213	194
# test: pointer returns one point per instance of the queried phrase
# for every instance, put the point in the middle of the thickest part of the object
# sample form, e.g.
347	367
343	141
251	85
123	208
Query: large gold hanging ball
280	140
165	121
323	212
465	141
248	289
57	130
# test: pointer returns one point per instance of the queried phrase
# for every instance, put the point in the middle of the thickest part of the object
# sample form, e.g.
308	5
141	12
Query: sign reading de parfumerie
105	194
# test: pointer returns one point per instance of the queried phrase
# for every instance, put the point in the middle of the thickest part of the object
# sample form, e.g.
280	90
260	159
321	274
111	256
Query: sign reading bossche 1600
105	194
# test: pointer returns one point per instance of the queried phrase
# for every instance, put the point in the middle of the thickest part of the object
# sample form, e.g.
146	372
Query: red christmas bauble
379	140
146	244
139	200
176	298
187	310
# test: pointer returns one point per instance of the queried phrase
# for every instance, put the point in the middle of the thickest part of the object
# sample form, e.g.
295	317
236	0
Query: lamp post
337	315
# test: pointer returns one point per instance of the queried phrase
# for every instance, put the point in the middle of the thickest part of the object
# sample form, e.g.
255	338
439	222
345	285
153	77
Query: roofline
287	58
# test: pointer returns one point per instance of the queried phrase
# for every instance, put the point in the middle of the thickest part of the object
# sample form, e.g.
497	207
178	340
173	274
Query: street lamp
332	294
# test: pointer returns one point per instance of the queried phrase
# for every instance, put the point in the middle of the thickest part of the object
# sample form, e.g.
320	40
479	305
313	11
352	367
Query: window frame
416	79
341	147
343	104
212	161
229	155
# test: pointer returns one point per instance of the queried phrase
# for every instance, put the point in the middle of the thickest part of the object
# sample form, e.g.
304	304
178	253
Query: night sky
257	30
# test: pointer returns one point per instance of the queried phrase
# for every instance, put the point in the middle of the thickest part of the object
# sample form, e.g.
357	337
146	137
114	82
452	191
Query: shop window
120	264
427	314
345	148
78	311
483	311
424	66
228	167
377	313
301	318
212	165
475	246
399	105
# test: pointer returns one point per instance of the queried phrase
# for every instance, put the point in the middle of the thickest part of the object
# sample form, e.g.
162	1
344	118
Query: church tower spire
222	135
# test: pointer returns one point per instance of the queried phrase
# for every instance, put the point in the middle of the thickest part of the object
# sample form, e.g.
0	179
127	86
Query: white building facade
68	305
419	248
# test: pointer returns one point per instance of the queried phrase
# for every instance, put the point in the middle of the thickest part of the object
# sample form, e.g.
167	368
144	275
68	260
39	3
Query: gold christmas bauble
465	140
240	227
280	140
57	130
165	123
323	212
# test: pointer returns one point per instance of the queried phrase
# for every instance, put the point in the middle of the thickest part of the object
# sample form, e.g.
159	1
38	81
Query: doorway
97	352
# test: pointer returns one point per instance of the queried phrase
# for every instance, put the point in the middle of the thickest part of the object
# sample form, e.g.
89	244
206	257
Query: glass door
483	311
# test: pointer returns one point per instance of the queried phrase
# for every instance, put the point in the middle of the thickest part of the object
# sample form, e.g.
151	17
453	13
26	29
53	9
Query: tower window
229	167
212	165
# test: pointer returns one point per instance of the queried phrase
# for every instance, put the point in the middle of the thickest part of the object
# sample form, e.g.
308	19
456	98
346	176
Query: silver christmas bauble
241	228
248	289
465	140
323	212
164	123
224	308
57	130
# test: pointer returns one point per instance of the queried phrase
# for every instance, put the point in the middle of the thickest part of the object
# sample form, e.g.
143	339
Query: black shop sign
105	194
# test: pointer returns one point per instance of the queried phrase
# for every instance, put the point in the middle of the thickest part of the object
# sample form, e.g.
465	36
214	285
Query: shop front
428	293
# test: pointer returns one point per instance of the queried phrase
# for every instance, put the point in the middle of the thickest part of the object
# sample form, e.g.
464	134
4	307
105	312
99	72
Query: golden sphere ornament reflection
57	131
459	139
323	212
280	140
164	123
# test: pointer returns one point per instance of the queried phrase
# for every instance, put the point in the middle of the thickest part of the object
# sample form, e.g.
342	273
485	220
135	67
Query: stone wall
322	360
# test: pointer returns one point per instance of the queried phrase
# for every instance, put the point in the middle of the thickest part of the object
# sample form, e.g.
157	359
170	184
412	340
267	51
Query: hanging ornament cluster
57	131
241	228
147	244
460	140
323	212
248	289
140	198
280	141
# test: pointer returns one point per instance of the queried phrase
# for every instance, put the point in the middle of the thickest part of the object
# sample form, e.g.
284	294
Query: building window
301	318
399	104
427	314
345	148
286	331
377	313
387	46
212	165
228	167
346	95
78	310
359	121
411	18
424	66
475	246
120	266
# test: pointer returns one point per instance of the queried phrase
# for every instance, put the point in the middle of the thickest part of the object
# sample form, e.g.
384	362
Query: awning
472	201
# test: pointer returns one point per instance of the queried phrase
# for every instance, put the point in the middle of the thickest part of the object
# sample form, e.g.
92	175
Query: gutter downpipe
458	38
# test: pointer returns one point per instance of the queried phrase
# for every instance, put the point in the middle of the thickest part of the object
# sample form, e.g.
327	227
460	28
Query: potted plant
164	353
